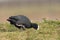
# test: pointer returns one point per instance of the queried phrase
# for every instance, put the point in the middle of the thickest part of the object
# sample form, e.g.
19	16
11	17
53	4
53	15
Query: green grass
49	30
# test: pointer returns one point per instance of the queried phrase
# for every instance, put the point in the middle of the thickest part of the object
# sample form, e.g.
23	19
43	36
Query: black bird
21	21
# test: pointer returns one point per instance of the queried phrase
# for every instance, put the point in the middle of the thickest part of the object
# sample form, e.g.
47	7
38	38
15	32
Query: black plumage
21	21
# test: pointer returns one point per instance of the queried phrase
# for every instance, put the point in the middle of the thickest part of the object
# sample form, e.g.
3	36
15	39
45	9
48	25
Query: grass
49	30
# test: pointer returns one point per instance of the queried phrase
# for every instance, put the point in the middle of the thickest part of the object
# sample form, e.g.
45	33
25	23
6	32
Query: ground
49	30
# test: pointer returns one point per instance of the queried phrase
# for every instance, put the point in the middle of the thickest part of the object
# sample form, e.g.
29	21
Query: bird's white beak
38	27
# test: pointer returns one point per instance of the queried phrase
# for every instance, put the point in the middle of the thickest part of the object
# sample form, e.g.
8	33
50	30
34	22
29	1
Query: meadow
49	30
